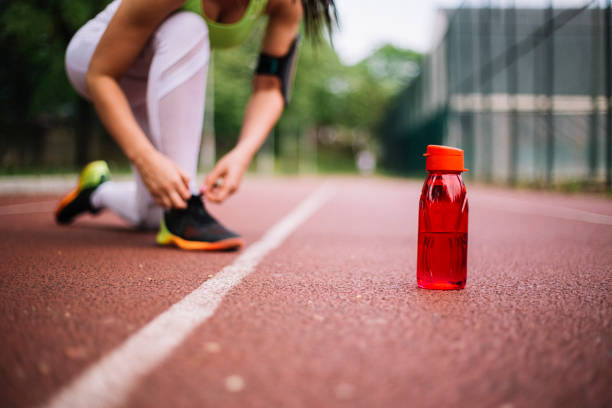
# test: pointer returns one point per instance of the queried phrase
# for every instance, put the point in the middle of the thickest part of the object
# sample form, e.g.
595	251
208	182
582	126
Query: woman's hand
226	176
167	183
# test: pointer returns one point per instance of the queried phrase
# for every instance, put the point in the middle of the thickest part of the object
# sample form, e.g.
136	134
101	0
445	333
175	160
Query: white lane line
28	208
108	382
531	208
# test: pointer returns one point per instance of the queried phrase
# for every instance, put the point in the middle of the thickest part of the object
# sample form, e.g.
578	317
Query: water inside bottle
443	222
442	260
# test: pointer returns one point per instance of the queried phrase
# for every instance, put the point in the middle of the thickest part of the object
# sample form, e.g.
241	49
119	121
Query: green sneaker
78	200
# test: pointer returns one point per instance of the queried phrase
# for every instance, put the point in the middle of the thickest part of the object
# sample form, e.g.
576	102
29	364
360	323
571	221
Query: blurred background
522	86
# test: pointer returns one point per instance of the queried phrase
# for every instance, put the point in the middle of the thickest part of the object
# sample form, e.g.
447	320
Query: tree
35	93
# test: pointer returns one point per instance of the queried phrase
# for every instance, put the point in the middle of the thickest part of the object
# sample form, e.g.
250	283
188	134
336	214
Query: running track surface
332	317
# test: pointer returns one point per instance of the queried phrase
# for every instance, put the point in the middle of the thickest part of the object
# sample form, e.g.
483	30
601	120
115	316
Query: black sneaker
195	228
77	201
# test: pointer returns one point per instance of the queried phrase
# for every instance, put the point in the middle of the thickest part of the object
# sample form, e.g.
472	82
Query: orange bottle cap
444	158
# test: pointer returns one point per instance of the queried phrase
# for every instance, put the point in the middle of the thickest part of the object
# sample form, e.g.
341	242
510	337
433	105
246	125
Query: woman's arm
122	42
264	107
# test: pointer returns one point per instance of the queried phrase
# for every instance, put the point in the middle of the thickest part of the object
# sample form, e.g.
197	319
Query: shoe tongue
195	201
196	206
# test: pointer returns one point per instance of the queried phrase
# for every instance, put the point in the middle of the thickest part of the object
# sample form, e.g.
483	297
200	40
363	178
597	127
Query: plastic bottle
443	221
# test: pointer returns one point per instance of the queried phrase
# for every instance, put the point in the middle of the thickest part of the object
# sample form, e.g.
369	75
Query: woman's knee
82	46
78	56
182	32
181	49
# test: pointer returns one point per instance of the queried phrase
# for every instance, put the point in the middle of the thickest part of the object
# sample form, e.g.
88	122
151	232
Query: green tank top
229	35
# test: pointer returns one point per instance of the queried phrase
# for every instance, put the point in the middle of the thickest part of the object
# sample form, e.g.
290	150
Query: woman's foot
195	228
78	200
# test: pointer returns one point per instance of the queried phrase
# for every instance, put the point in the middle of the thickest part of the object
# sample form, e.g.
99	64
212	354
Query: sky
368	24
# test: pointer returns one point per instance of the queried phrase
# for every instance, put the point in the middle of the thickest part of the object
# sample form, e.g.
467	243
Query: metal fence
524	91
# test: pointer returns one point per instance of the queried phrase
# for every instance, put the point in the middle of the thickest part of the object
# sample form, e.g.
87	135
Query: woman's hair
319	14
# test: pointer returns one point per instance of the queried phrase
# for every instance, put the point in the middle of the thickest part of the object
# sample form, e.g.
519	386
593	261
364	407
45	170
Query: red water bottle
443	221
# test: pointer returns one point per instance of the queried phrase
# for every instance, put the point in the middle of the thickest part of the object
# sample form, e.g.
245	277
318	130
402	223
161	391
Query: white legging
165	87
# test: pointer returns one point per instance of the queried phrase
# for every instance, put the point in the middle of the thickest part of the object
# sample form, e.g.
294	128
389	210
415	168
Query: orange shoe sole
230	243
66	200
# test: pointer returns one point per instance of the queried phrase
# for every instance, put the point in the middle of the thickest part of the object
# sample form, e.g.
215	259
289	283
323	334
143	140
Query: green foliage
326	92
329	93
233	72
34	36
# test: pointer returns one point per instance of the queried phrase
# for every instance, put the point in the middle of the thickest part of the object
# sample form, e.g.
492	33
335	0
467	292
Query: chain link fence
524	90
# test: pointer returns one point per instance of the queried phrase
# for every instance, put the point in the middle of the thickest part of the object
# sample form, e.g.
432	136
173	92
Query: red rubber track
333	317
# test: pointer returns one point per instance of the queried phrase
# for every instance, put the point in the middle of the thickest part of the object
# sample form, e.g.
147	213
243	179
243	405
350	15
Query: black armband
282	67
